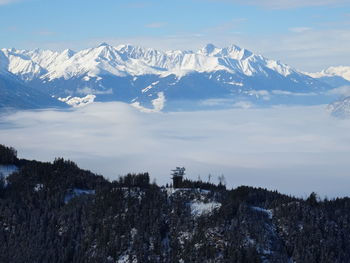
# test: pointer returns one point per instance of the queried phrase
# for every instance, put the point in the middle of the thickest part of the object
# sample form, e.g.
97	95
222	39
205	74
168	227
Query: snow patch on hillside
158	104
7	170
269	213
200	208
38	187
78	102
149	87
77	192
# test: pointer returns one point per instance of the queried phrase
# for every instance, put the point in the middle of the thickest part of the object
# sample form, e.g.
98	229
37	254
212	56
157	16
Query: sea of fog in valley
295	150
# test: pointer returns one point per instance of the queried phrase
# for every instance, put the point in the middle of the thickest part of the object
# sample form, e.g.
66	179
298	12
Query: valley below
295	149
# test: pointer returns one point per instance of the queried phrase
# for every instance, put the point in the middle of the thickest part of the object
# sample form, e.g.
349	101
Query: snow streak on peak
129	60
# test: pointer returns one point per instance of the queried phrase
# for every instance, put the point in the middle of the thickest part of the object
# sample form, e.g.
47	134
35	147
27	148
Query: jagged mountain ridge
134	74
124	60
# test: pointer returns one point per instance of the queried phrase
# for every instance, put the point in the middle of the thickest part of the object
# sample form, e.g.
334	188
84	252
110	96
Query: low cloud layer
293	149
343	91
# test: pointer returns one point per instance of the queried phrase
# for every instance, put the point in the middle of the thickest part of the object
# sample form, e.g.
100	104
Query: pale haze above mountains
153	80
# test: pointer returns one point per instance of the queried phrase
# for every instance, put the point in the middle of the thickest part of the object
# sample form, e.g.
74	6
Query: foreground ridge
57	212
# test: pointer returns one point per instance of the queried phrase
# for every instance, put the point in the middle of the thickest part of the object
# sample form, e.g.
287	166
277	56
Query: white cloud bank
293	149
287	4
7	2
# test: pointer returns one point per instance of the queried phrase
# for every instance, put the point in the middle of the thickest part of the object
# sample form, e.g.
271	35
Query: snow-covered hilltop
334	76
340	71
138	75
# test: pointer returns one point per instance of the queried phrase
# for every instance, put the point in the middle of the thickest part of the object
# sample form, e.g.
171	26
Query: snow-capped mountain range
149	78
127	60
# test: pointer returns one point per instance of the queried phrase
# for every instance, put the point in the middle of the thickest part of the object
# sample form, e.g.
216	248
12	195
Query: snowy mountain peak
125	47
103	44
236	52
129	51
105	52
232	52
208	50
67	53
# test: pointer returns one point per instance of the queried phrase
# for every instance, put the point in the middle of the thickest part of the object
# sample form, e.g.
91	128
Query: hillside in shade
15	94
57	212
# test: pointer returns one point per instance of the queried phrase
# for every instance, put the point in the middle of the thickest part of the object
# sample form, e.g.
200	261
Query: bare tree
222	179
209	178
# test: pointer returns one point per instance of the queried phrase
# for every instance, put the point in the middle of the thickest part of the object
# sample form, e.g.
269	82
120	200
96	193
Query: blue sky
309	34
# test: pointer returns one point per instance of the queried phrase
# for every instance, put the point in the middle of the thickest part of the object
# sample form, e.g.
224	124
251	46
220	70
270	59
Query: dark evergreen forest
57	212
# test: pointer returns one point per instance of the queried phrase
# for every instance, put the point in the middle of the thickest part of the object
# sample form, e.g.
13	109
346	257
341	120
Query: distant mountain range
154	80
335	76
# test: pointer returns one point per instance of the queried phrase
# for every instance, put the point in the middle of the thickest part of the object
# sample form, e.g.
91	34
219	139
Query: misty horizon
292	149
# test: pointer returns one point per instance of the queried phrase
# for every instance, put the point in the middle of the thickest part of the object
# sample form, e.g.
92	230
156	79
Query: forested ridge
57	212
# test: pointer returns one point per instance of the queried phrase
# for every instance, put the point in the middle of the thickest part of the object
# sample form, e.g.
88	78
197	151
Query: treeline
187	183
133	220
133	180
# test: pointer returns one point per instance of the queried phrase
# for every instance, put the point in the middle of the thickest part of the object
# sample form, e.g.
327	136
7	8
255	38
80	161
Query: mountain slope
134	74
14	94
